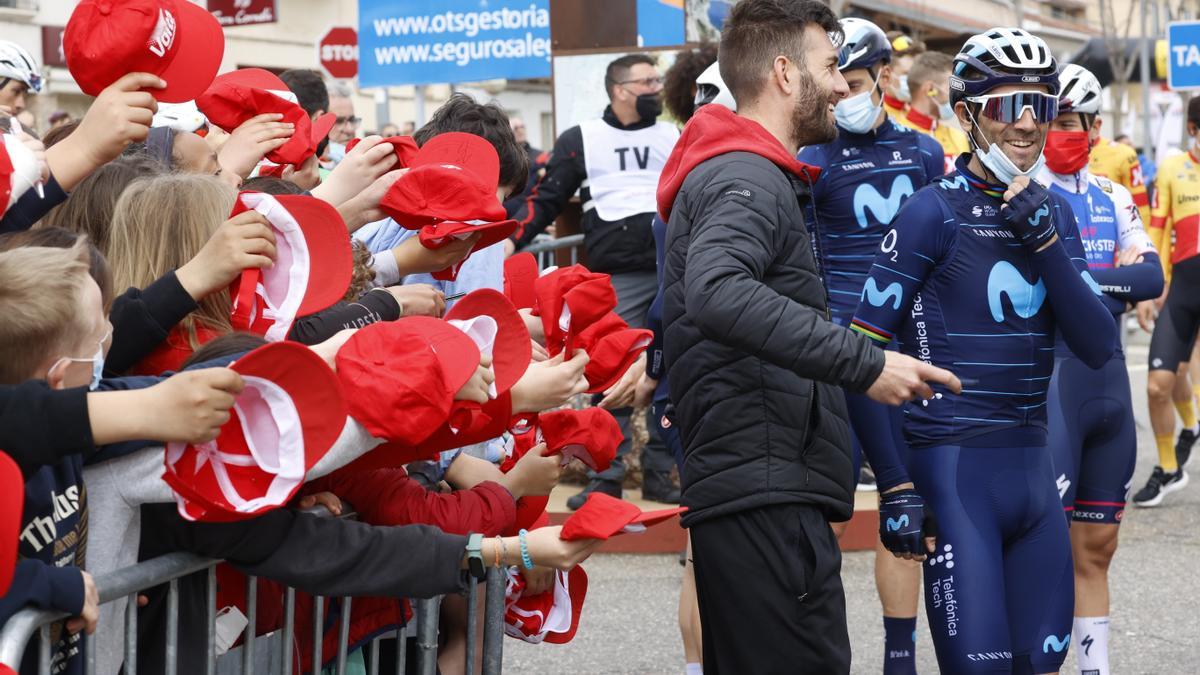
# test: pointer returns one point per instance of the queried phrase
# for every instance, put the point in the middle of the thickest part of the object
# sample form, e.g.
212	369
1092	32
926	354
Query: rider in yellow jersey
1119	163
904	50
1175	220
929	110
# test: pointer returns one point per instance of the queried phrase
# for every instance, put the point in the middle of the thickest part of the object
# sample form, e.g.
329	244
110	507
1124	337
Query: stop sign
337	51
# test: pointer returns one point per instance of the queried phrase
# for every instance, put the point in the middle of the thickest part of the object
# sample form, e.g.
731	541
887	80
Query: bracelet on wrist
501	551
525	559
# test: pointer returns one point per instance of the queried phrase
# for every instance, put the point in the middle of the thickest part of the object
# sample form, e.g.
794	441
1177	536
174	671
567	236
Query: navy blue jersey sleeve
30	207
1132	283
39	584
907	256
1082	318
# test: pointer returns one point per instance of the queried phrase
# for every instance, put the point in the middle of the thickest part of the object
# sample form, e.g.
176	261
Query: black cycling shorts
1175	329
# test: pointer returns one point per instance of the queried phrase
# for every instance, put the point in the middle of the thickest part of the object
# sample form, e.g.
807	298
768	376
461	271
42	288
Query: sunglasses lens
1008	109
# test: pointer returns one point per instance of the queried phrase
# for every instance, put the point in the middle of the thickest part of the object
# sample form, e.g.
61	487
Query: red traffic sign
337	51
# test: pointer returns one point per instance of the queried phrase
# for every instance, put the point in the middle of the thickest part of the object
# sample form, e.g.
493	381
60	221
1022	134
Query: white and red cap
312	270
288	416
177	40
552	616
454	176
569	300
602	516
237	96
511	348
12	506
19	170
443	234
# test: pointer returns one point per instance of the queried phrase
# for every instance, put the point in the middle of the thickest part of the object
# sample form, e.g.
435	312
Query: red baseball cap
237	96
400	377
285	420
453	177
405	147
312	270
437	235
12	507
512	349
612	355
569	300
552	616
520	271
602	516
590	435
177	40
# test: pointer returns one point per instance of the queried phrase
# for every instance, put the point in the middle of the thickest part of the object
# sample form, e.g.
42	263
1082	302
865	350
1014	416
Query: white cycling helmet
864	46
710	88
17	64
1079	90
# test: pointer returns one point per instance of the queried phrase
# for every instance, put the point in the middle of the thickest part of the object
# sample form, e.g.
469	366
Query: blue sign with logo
428	41
1183	55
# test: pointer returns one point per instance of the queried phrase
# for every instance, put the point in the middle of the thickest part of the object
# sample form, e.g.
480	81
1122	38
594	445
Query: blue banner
430	41
660	23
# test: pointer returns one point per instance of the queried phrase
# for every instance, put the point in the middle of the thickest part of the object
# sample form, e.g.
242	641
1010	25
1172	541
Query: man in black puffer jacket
755	362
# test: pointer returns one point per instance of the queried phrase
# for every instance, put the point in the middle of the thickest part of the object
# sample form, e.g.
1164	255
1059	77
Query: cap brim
330	255
312	385
649	518
200	46
513	348
577	585
12	505
321	127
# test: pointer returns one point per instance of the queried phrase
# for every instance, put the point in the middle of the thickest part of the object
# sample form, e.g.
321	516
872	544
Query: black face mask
649	107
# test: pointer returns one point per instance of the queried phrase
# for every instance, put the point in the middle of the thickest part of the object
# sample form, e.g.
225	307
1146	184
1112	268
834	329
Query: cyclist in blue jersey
978	272
866	174
1091	429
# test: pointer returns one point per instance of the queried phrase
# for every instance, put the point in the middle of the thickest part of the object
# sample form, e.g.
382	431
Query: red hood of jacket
715	130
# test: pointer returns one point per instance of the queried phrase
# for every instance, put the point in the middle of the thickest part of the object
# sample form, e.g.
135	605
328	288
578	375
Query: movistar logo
959	183
879	298
884	209
1026	298
1036	219
1052	642
894	524
1087	279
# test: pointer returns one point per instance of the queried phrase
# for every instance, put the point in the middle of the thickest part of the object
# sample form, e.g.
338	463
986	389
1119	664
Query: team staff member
930	111
1176	218
753	361
981	269
867	172
615	161
1090	412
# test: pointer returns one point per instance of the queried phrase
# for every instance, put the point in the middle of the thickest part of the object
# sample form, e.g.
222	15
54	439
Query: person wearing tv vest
614	162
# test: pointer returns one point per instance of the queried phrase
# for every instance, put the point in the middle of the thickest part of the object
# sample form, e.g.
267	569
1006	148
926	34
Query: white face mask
1000	165
946	111
902	92
97	362
858	114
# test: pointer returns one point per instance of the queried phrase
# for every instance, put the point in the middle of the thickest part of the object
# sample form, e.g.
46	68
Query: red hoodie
716	130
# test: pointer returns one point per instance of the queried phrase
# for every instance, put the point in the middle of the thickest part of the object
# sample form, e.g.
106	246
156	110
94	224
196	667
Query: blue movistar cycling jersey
864	180
962	293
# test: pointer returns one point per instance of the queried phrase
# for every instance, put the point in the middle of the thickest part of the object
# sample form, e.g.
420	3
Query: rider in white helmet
19	76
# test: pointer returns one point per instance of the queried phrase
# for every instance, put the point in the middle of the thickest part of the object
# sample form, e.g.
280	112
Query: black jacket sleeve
141	320
322	556
734	240
40	426
30	207
373	306
565	172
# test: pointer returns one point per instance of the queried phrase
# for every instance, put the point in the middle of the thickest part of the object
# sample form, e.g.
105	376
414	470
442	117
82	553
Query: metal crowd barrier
550	251
271	654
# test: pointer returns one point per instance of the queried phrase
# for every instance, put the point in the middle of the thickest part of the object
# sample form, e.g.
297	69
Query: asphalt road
629	621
